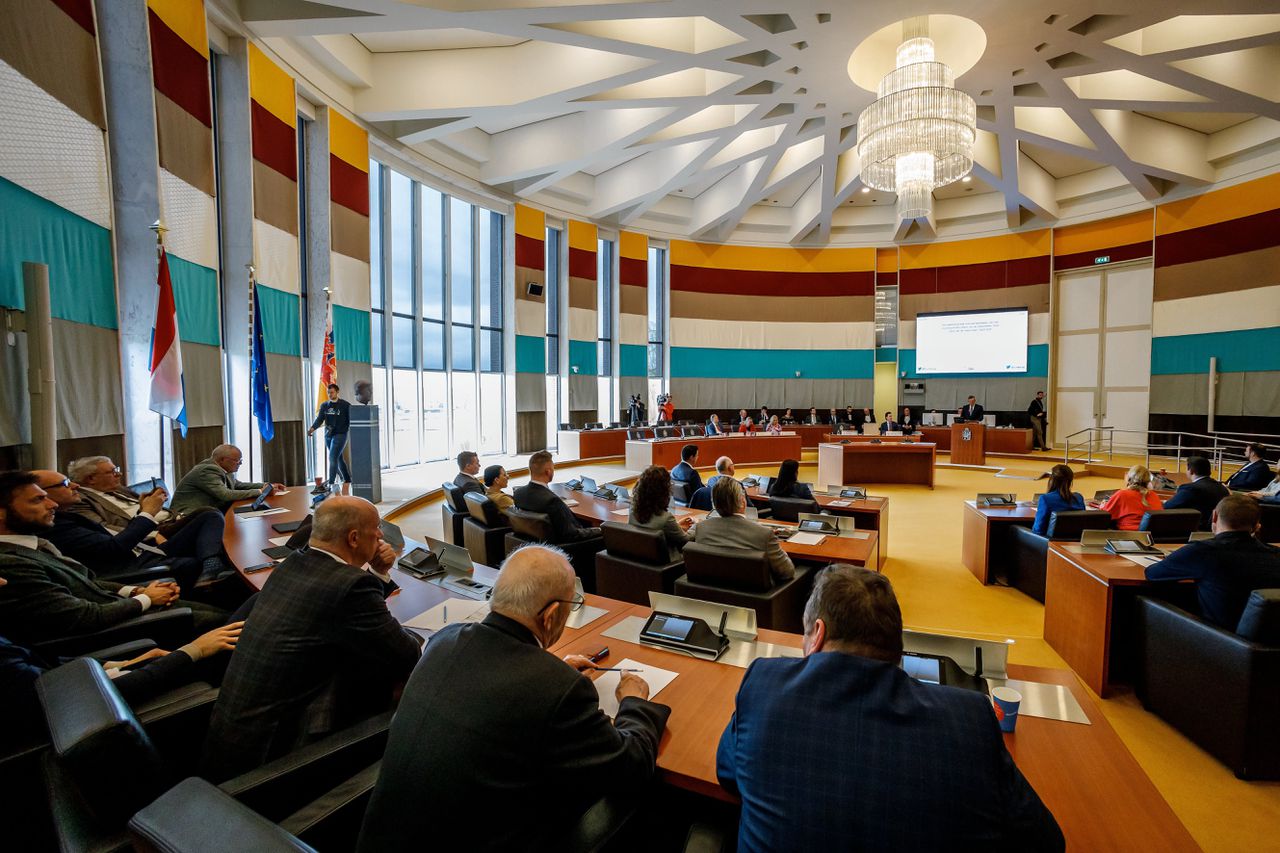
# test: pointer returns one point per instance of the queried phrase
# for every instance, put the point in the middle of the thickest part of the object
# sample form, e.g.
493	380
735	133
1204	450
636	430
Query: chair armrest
196	817
600	823
142	577
123	651
167	628
333	821
281	787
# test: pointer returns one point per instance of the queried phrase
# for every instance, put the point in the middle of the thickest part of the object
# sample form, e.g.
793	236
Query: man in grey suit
103	498
734	530
468	467
213	483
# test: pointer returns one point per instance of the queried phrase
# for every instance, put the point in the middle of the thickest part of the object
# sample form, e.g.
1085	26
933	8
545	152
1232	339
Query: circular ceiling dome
958	42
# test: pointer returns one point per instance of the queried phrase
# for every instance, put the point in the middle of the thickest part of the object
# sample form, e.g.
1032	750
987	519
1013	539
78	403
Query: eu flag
258	374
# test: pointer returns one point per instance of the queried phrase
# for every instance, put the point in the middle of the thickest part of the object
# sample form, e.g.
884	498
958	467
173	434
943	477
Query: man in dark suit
537	497
49	595
813	419
685	472
1227	567
1202	493
319	652
468	467
842	750
971	411
890	425
713	425
1255	474
1039	421
491	720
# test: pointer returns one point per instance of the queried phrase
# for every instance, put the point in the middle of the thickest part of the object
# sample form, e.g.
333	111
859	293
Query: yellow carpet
937	593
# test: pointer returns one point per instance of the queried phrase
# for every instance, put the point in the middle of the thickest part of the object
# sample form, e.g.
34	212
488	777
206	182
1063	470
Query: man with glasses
490	717
104	498
213	483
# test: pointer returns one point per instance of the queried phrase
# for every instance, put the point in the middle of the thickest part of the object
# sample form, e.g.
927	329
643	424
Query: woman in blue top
1058	498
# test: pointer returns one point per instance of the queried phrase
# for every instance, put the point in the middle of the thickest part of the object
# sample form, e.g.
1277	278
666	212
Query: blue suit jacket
1251	478
1226	569
1202	495
686	473
840	752
1049	503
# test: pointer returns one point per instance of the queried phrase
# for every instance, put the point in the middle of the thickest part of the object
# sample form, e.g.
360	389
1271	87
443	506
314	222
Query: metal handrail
1218	453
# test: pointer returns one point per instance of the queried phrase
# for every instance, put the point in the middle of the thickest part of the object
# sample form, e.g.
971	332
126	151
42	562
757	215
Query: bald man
319	652
492	720
213	483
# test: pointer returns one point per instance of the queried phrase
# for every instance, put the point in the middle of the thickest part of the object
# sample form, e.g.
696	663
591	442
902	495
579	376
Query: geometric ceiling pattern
735	120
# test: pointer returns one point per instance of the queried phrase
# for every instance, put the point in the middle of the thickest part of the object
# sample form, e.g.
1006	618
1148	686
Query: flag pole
251	270
160	229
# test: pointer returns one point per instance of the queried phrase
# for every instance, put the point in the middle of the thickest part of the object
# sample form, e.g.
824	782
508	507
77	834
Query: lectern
968	444
366	465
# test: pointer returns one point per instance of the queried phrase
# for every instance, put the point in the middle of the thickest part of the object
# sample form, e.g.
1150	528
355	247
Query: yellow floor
937	593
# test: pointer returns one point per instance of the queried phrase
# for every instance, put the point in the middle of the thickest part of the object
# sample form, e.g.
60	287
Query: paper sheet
841	503
806	538
278	540
857	534
262	512
449	612
1143	560
607	683
570	502
626	511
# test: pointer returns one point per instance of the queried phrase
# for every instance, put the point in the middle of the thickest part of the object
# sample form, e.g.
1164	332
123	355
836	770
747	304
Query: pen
614	669
599	656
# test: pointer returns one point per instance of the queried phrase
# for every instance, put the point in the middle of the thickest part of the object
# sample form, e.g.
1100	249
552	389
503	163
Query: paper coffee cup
1006	701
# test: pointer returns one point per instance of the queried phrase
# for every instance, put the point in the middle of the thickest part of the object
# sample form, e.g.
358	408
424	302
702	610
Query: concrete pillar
317	240
125	46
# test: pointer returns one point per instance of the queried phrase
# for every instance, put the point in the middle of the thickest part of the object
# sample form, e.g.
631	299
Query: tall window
553	334
489	290
657	324
606	407
405	448
887	316
377	302
435	385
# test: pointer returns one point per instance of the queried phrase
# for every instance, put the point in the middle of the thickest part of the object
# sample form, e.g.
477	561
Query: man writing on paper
491	721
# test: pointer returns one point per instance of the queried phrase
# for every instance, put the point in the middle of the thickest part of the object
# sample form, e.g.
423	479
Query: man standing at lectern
972	411
1039	421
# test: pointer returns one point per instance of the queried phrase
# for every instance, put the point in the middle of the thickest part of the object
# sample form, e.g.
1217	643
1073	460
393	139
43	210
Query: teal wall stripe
633	360
195	292
886	354
280	324
1247	350
77	251
1037	365
531	354
582	355
351	334
713	363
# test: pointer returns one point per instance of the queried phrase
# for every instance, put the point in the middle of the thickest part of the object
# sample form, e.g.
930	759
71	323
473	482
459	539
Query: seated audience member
650	507
1128	505
724	468
908	422
833	417
212	483
825	750
747	426
537	497
1255	474
1202	493
50	596
813	419
764	416
866	421
489	717
685	472
729	528
788	417
104	498
1269	492
713	425
194	550
890	425
785	486
319	651
850	415
1058	497
468	467
742	416
495	480
775	426
1227	567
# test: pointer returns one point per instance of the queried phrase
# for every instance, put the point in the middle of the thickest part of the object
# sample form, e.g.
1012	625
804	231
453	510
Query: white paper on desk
1142	559
806	538
280	492
856	534
279	540
450	612
262	512
607	683
570	502
841	503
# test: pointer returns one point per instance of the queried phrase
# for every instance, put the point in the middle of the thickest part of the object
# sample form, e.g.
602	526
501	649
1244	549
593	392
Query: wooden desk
591	443
998	440
986	536
1084	774
811	435
855	438
858	464
871	514
742	449
1089	612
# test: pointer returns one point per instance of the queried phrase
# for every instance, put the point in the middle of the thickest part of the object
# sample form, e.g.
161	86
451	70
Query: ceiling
736	121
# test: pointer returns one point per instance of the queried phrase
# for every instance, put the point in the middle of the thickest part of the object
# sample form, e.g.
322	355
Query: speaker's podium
968	443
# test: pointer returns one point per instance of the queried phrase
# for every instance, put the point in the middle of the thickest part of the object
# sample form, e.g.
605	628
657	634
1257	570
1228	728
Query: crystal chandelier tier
919	133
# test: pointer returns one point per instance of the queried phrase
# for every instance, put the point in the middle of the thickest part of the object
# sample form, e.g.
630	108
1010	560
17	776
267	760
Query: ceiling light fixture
919	133
866	189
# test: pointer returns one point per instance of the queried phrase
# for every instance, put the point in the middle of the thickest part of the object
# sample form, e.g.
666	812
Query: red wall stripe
348	186
1023	271
886	279
530	253
274	144
1246	234
80	11
180	73
633	271
768	283
1079	260
917	281
582	264
970	277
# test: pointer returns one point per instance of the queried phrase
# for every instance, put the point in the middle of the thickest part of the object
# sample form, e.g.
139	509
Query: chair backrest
789	509
680	492
668	432
534	526
1260	621
635	543
615	424
453	495
635	434
732	568
484	510
99	746
1170	525
565	427
1069	523
701	499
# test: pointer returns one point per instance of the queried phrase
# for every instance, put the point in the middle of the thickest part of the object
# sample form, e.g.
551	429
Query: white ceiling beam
1037	188
623	186
723	196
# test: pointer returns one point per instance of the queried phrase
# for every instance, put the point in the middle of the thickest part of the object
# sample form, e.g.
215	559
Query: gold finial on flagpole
160	230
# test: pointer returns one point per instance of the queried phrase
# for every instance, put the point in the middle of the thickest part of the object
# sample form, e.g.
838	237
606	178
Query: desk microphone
977	661
724	617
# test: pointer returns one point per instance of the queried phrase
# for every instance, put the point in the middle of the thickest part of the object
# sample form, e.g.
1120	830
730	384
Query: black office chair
636	434
534	527
635	562
789	509
169	628
1270	531
1170	525
565	426
1031	550
484	530
667	432
701	499
741	577
454	511
615	424
680	492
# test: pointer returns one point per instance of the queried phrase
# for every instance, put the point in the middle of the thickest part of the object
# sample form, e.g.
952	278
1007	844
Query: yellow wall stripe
1104	233
1005	247
186	18
633	245
272	87
887	260
348	141
531	223
582	235
770	259
1219	205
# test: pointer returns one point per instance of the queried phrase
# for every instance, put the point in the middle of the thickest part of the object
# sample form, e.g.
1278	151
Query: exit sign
1102	259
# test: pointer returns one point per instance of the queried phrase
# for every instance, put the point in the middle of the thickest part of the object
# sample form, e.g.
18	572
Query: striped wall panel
1120	238
583	314
349	233
633	306
531	310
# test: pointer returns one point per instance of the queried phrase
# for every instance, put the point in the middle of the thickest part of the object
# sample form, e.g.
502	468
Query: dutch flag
168	391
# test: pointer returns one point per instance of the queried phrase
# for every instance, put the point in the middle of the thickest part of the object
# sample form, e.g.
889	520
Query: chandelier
919	133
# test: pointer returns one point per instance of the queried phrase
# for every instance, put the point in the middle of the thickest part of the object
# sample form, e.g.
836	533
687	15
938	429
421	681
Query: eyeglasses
115	470
574	606
60	484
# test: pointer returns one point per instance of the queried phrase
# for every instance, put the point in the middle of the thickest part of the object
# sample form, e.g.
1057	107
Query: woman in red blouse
1128	505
